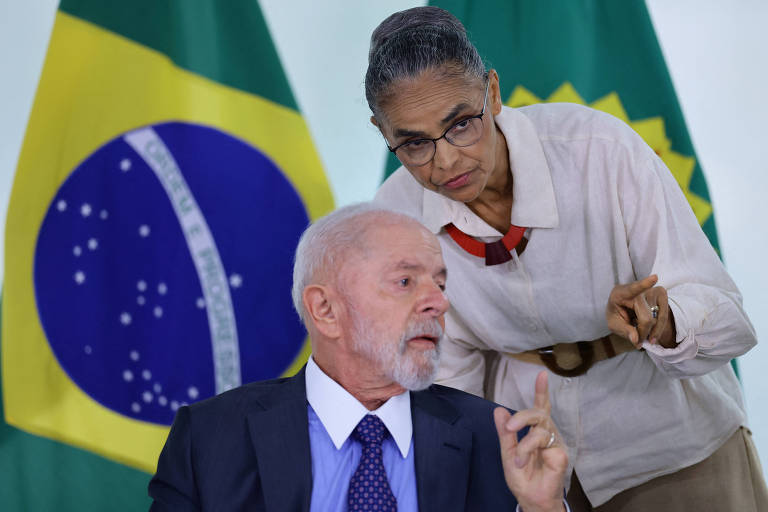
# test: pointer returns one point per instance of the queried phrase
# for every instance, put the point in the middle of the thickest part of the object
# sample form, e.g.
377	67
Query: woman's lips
458	181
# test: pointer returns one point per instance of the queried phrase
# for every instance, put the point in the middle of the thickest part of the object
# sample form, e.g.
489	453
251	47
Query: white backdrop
716	51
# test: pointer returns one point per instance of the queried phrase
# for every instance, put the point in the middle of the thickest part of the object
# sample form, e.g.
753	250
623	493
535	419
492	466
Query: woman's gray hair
410	42
326	243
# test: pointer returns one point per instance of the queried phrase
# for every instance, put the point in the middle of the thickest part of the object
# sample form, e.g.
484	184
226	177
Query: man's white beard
414	370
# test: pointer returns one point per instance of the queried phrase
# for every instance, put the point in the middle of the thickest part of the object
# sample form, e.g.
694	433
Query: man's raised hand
535	466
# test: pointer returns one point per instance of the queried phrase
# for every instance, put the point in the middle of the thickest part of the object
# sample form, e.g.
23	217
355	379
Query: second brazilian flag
600	53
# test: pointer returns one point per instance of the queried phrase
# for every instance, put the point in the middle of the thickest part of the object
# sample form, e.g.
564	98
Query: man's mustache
429	328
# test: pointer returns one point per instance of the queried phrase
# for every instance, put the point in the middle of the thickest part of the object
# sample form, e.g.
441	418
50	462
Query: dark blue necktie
369	487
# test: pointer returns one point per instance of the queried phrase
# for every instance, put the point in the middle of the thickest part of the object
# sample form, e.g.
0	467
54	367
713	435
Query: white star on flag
235	280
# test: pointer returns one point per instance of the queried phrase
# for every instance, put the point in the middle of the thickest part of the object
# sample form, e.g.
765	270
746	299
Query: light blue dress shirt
333	415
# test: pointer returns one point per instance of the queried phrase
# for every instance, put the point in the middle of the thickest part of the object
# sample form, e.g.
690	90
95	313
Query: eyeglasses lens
466	132
462	134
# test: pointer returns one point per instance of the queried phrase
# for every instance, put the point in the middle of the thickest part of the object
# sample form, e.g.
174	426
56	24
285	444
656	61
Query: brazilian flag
599	53
164	180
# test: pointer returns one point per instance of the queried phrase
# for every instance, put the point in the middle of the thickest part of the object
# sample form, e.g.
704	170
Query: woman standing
555	221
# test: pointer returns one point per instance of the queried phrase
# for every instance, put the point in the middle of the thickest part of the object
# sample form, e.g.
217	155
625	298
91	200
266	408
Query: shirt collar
534	203
340	412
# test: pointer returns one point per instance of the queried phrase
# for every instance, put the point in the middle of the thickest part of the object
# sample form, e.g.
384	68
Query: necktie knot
370	430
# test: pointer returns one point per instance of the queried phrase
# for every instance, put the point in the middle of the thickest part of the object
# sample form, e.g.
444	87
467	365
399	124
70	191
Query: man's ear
322	310
375	123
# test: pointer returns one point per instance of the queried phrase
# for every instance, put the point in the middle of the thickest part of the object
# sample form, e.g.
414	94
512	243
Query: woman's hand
534	467
640	311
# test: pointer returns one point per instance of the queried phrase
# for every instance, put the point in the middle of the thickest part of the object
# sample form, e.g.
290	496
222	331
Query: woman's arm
704	305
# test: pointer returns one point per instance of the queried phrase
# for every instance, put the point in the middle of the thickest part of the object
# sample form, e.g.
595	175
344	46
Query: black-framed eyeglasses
462	134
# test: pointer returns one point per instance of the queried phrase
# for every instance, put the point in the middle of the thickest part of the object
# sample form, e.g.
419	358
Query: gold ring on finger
551	440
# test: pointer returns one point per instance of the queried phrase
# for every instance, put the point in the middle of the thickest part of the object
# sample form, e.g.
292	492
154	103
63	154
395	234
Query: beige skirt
731	479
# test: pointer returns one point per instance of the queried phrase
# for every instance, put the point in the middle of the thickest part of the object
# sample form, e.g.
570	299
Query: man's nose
434	301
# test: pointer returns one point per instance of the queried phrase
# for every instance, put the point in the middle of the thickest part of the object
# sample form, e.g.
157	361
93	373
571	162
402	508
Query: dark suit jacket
248	449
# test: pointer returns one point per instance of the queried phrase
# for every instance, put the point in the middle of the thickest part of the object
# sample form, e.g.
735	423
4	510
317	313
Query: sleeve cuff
687	347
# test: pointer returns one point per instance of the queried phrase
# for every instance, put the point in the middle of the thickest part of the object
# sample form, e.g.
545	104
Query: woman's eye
460	126
404	282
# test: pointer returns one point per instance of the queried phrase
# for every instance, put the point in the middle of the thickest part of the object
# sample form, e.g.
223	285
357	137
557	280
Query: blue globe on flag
163	268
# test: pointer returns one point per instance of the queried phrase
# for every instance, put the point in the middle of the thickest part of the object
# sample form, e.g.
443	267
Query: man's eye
404	282
442	287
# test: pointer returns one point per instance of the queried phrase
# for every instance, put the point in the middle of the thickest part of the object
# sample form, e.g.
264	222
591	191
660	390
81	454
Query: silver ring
655	311
551	440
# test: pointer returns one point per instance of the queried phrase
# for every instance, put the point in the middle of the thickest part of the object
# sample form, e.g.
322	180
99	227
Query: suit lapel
443	453
280	437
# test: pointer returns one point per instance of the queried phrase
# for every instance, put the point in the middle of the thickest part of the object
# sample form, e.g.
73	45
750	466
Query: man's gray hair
410	42
326	242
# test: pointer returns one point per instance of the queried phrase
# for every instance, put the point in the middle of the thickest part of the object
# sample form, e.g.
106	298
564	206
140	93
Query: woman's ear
494	92
322	310
375	122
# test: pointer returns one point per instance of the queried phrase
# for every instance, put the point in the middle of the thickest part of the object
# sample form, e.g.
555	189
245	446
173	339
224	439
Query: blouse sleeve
664	238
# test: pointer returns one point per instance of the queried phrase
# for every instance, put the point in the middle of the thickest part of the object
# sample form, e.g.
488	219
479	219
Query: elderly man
361	427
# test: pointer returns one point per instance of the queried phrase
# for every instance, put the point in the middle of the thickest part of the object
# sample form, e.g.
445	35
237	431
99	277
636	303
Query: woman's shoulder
402	193
569	120
563	121
568	127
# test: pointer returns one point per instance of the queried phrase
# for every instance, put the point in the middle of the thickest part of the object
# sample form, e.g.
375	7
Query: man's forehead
408	243
403	231
393	245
